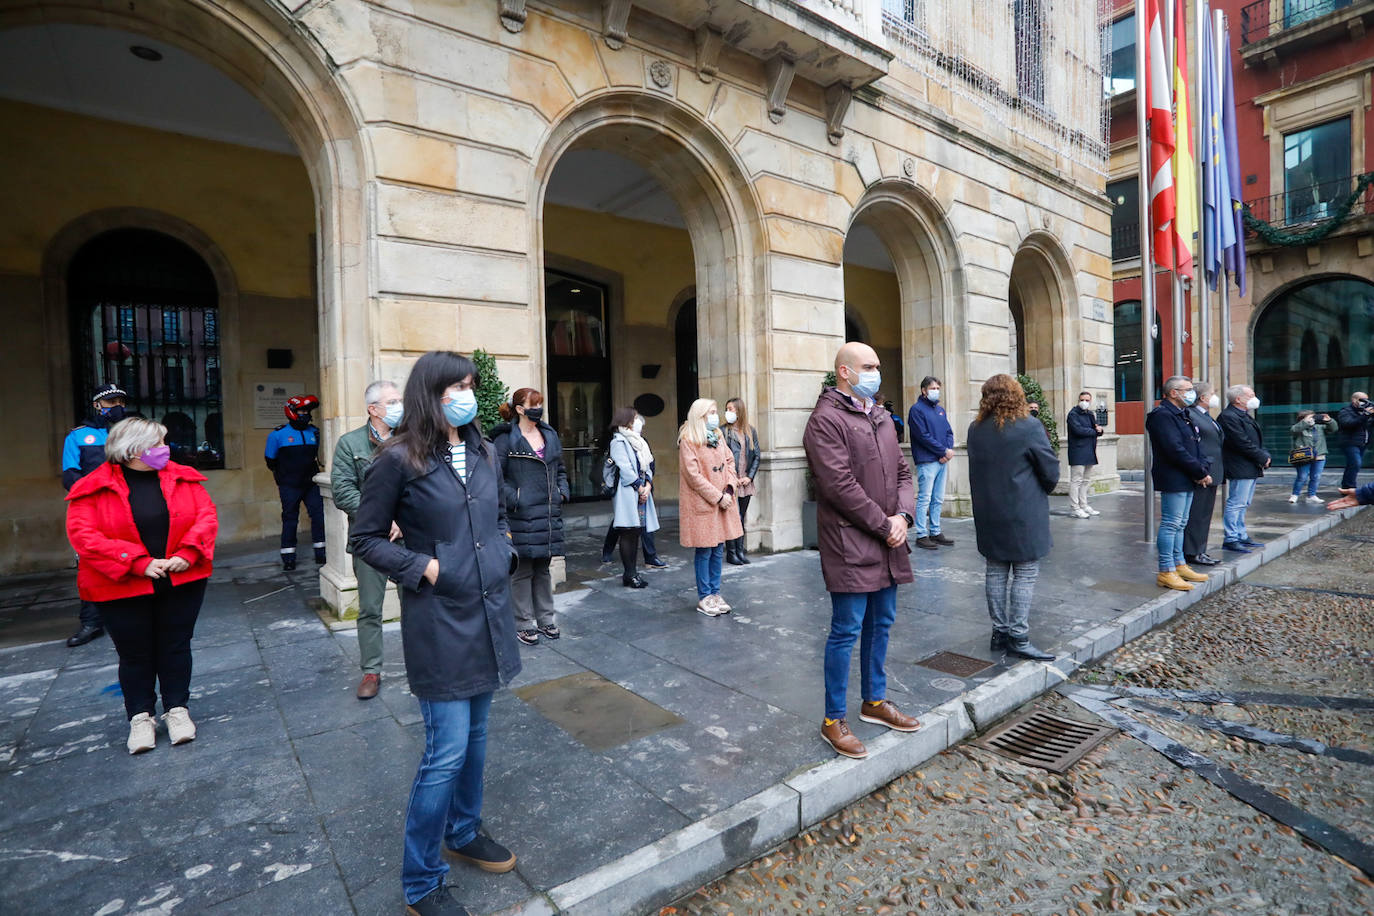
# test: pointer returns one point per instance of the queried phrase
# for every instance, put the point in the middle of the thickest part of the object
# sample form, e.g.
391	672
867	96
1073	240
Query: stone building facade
622	202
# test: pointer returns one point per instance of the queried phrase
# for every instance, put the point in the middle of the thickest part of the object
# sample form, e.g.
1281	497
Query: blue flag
1235	255
1218	226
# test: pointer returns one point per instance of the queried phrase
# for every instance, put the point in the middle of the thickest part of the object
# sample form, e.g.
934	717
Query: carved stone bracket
709	42
615	19
513	15
780	69
837	99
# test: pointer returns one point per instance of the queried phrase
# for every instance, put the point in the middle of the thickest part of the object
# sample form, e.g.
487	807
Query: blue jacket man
1179	467
293	455
932	447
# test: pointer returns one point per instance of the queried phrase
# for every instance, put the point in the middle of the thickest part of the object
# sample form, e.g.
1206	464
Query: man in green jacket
352	456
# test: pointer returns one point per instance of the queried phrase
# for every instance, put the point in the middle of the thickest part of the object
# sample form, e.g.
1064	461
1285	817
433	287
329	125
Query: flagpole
1147	270
1200	269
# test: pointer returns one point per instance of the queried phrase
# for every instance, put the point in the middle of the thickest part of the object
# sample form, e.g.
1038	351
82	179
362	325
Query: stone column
338	586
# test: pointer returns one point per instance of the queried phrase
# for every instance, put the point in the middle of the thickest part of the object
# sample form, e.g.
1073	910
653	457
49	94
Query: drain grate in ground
1052	743
598	713
955	664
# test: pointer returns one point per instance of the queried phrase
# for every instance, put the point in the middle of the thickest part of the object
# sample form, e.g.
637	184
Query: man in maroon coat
864	506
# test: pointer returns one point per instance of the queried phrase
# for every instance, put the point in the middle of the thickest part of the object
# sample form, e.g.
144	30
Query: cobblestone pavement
1126	830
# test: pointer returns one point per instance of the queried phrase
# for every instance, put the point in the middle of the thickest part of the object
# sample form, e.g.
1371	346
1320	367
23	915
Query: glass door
577	325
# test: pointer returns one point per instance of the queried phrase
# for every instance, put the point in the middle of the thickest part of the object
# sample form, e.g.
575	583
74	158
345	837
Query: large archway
1041	301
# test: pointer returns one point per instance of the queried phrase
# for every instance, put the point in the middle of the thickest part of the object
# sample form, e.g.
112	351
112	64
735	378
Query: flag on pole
1235	255
1161	122
1218	223
1184	165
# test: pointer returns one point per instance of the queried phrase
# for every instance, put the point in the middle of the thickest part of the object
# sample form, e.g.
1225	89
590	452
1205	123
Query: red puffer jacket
101	527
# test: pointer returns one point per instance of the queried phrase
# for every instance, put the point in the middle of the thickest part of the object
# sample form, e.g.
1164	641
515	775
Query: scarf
712	437
646	457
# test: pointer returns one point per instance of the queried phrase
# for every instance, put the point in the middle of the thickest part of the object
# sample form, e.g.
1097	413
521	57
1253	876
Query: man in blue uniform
293	454
82	452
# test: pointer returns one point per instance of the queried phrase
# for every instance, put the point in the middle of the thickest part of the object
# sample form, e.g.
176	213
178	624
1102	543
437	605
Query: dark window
851	329
1130	364
1316	170
579	400
685	344
131	295
1313	346
1030	50
1121	36
1125	198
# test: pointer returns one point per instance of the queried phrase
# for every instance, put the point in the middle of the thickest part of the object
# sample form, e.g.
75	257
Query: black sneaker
941	539
437	903
550	631
83	636
485	853
288	561
636	582
656	563
528	637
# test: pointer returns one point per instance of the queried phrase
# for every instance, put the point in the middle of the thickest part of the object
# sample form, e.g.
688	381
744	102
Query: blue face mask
462	410
933	395
713	421
868	384
394	412
1190	397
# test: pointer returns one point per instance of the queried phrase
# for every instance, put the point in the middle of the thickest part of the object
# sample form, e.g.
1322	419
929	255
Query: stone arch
930	277
253	44
698	169
1041	288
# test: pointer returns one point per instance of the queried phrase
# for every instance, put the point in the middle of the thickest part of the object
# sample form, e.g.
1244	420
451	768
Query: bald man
864	506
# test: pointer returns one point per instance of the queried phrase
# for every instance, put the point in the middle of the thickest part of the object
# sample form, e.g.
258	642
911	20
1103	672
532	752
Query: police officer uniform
293	454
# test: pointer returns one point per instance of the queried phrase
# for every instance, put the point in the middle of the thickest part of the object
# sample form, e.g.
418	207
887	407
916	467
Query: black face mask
112	415
535	414
303	422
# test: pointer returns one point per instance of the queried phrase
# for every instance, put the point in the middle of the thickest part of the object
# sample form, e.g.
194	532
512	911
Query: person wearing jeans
1245	459
1355	420
1310	432
867	618
932	448
706	500
1179	467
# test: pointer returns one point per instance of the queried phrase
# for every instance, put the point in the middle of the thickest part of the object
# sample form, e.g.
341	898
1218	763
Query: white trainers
1081	513
180	728
1091	510
709	607
1315	499
721	606
142	734
1293	498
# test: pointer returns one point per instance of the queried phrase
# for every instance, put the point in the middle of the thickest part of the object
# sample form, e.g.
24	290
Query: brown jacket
861	480
706	475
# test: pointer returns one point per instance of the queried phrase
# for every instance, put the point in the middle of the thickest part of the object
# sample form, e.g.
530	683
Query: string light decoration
1036	67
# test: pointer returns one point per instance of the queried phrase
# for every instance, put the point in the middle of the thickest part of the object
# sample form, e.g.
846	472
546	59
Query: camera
1364	404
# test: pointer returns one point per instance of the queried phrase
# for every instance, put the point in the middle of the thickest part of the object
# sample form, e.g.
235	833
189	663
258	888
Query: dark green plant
830	380
827	382
491	391
1037	394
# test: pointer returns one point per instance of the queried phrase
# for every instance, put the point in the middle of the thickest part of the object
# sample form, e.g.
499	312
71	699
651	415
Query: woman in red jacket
144	529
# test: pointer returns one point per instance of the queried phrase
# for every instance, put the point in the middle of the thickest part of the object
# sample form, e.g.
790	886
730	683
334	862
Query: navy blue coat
1082	436
534	489
1011	472
1176	446
1243	448
931	433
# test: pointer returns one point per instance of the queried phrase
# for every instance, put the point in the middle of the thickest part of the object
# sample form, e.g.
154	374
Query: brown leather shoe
369	685
884	713
1172	580
836	733
1188	574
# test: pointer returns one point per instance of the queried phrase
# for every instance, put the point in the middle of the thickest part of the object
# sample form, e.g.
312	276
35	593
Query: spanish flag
1185	166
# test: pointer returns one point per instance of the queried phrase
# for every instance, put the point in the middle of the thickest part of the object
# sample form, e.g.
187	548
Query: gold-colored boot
1172	580
1188	574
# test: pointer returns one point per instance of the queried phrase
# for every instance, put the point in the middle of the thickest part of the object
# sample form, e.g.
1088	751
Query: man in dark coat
1177	469
864	506
932	448
1083	433
292	453
1245	460
1204	498
1355	419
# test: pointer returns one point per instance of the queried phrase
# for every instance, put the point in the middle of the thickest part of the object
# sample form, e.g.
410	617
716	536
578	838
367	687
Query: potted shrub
810	536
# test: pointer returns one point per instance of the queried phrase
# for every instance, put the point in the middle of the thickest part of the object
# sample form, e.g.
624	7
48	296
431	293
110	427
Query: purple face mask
157	457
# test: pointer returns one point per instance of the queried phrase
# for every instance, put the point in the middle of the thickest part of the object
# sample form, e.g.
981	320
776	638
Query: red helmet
301	404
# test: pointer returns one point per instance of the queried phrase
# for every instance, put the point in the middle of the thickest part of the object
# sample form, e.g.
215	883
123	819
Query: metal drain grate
1041	740
955	664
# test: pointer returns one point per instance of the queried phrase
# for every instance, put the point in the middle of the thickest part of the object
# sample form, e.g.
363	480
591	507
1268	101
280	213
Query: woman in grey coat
632	495
1012	469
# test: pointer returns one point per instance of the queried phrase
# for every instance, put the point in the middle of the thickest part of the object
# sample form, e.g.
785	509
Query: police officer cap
109	392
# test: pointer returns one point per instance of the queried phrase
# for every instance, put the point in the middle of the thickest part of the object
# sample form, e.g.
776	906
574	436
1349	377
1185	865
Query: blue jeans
1238	497
867	616
1309	474
930	496
446	798
1354	457
1173	518
708	561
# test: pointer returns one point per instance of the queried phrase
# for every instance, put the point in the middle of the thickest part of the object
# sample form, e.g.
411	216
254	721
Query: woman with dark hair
632	496
1012	470
536	486
438	479
743	440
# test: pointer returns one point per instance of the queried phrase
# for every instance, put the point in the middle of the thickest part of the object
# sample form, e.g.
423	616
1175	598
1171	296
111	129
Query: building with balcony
1303	334
625	202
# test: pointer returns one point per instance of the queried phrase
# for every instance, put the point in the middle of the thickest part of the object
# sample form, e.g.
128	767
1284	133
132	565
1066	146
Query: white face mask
1214	401
1086	405
638	425
731	417
1252	404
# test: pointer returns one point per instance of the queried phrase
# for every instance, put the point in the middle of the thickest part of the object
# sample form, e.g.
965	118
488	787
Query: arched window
144	313
1313	346
1130	364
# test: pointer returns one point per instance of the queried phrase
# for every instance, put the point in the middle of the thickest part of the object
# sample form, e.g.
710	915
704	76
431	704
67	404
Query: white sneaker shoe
1091	510
1293	498
1081	513
142	734
1315	499
708	606
721	606
180	728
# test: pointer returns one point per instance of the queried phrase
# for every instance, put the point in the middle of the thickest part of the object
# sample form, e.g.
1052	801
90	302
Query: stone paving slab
292	798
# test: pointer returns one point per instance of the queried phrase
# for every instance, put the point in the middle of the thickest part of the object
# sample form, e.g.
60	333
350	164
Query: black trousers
629	548
291	499
646	537
152	634
1199	521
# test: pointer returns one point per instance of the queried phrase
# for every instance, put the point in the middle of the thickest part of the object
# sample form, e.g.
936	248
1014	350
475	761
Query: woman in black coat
535	488
1012	470
438	479
1083	433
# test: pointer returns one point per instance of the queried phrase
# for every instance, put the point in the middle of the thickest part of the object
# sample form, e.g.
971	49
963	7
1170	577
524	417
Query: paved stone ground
1126	830
292	797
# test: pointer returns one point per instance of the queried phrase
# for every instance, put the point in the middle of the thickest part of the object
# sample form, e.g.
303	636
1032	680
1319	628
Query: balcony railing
1311	205
1264	18
1125	241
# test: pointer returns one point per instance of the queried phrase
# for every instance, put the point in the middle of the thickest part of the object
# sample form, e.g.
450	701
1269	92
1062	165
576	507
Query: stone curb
661	872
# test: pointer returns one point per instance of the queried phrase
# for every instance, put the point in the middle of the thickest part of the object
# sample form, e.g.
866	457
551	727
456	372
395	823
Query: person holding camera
1355	421
1308	456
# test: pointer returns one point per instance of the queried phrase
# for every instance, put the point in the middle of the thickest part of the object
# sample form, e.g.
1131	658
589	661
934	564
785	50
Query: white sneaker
1081	513
1092	511
1315	499
721	606
708	606
180	728
142	734
1293	498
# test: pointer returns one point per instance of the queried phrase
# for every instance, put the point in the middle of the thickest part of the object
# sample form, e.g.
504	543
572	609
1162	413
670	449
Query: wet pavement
1270	681
645	718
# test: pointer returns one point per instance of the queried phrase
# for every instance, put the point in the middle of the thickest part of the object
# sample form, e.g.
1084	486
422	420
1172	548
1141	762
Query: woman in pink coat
706	500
